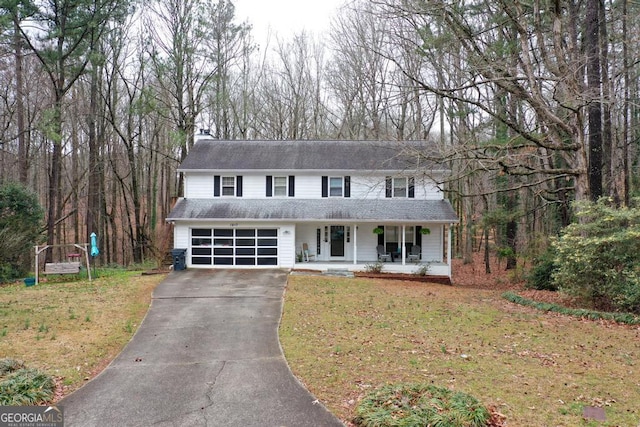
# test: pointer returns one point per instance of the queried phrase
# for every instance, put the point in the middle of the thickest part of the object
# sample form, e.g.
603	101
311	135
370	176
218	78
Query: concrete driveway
207	354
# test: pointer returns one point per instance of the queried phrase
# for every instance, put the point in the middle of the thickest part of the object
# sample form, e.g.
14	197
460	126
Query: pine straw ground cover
345	337
73	330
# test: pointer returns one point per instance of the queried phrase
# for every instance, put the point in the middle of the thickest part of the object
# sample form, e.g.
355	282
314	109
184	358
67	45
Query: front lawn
344	337
73	330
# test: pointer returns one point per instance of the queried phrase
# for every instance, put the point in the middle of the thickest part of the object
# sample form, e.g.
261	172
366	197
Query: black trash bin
179	259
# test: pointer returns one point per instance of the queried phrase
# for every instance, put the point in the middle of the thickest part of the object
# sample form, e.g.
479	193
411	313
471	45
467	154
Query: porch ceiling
309	210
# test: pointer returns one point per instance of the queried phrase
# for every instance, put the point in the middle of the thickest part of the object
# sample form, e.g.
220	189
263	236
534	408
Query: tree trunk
23	149
594	91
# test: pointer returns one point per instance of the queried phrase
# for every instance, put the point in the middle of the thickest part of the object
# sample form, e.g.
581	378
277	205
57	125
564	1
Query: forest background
532	104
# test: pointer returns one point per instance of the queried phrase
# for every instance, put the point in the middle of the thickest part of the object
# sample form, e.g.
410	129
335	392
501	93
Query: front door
337	240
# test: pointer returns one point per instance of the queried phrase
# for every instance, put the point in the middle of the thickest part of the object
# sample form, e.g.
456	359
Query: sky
284	18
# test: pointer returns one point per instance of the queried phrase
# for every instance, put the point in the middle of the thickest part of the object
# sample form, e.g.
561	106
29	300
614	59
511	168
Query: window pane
223	232
399	187
223	242
223	251
201	232
280	186
267	251
245	251
228	186
335	187
391	234
408	234
245	242
200	242
245	232
267	232
267	242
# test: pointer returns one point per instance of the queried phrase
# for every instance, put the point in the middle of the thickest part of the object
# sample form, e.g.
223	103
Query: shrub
598	258
541	275
423	270
20	217
420	405
24	386
374	268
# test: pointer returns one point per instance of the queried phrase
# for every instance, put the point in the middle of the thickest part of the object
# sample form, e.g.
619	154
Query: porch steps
338	272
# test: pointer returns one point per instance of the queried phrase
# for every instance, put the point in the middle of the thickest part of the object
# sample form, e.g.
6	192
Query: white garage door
234	246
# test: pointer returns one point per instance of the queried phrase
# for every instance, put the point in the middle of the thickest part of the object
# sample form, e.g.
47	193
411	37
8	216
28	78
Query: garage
234	246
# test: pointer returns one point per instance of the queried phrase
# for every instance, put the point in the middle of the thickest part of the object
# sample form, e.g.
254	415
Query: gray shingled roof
208	154
343	209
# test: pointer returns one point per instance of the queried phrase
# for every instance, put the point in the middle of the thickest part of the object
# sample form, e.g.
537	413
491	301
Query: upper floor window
228	185
399	187
336	186
279	185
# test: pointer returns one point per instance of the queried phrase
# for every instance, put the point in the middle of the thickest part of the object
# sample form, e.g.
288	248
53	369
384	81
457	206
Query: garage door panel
240	247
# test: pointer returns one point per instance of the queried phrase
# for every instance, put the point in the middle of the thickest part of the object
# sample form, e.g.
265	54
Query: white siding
198	185
181	236
307	186
286	246
253	186
432	249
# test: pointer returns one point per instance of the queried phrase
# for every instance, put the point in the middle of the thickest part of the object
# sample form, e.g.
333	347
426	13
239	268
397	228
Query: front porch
356	247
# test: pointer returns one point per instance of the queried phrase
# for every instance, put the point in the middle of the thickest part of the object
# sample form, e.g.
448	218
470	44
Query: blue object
94	245
30	281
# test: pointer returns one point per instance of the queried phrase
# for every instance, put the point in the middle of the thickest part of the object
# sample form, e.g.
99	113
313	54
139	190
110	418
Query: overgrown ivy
626	318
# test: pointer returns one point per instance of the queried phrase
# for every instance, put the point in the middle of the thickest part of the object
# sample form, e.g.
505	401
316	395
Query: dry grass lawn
72	330
343	337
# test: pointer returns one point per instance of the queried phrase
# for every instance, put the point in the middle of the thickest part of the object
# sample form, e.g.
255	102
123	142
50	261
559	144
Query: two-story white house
313	204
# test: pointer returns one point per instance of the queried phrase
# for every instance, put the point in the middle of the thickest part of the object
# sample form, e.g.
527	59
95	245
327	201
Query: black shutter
381	236
418	235
347	186
325	186
239	186
216	186
269	186
292	186
388	187
412	185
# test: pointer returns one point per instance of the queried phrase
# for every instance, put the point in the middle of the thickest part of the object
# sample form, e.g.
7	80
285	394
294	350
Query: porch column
355	243
404	246
449	251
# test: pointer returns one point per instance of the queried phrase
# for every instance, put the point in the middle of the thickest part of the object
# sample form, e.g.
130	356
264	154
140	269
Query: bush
423	270
374	268
420	405
541	275
23	386
598	258
20	218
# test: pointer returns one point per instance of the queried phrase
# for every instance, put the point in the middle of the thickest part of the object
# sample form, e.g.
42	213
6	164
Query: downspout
404	246
449	251
355	244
